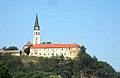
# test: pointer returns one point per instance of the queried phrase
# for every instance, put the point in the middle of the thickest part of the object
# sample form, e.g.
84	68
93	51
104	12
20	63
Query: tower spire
36	23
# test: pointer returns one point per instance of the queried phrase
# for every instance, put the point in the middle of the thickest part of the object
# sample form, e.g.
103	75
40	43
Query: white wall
49	52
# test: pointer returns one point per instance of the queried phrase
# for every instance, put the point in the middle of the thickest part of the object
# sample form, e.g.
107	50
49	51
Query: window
40	54
62	49
52	54
36	28
35	52
44	54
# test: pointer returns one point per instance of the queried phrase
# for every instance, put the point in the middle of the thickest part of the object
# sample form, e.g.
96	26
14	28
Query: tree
48	42
20	52
4	48
62	58
95	58
83	49
12	48
43	42
4	71
27	50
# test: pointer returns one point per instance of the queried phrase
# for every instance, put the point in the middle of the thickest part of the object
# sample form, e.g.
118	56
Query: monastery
48	49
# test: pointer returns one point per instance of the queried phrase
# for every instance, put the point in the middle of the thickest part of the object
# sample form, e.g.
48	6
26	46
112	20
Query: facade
12	52
48	50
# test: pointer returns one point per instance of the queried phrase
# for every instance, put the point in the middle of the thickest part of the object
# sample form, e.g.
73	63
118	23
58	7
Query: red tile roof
56	46
28	44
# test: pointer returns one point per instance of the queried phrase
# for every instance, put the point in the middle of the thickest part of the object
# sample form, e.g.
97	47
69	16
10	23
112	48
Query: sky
92	23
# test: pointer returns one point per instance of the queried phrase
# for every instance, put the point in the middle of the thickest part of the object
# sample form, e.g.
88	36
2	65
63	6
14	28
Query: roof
28	44
55	46
36	23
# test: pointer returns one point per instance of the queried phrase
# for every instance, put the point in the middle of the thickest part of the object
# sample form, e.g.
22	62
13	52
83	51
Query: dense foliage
10	48
55	67
27	50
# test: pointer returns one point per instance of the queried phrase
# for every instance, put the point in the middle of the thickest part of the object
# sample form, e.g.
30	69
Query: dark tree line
10	48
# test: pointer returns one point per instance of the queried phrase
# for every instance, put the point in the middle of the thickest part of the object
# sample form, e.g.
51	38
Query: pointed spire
36	23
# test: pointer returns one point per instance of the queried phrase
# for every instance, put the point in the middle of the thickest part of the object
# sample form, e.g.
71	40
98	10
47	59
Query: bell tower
36	32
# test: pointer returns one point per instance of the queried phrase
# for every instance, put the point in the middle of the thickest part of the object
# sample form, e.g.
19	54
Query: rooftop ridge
56	46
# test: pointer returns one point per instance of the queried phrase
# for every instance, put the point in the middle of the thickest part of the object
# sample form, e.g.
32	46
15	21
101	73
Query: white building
49	50
12	52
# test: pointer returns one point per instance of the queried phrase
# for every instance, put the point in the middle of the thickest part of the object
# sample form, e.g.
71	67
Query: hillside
55	67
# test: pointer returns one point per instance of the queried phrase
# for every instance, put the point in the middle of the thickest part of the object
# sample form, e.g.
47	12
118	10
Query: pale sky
93	23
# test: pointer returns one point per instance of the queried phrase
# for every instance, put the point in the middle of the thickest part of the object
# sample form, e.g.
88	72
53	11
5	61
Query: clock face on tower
36	28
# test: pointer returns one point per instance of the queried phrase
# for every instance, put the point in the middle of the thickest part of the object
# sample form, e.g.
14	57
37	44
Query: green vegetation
55	67
10	48
27	50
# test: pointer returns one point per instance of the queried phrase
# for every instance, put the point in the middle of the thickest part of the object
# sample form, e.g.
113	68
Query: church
39	49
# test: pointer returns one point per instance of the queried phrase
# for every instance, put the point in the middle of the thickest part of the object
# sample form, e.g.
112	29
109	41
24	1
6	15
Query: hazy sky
93	23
